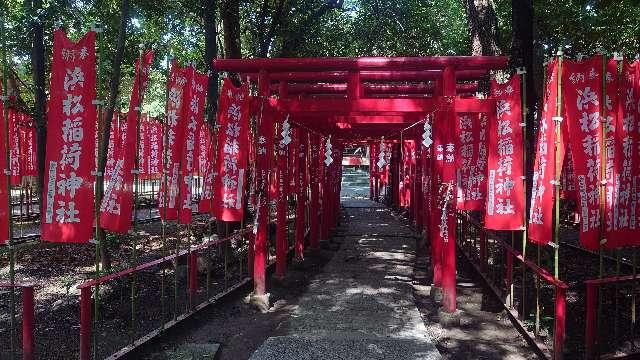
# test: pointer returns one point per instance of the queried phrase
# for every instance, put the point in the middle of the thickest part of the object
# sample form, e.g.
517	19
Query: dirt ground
240	328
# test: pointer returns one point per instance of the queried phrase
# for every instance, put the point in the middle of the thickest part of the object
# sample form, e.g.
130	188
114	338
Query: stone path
361	306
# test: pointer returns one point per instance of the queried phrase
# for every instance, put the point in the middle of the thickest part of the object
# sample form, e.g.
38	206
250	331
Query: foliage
305	28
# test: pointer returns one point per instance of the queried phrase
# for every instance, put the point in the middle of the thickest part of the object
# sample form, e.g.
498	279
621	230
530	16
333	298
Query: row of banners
598	122
479	161
183	146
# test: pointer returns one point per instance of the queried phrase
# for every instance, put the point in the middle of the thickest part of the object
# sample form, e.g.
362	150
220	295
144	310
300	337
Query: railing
493	258
196	277
28	314
616	336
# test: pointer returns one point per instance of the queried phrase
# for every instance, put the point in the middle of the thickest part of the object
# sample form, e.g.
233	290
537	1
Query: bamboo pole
99	177
522	72
603	184
603	161
12	257
136	186
165	172
536	277
558	169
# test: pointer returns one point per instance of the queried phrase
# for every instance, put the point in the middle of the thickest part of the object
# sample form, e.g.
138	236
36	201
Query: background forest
199	30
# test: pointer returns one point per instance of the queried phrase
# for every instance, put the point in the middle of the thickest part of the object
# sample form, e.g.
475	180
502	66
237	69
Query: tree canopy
302	28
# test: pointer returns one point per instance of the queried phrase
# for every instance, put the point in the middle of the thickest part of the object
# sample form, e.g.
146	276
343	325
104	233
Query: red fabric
70	159
623	221
427	171
194	100
505	191
204	149
209	173
582	96
542	193
264	145
471	140
4	188
112	148
568	178
178	84
155	148
116	209
233	144
14	146
293	160
28	158
143	147
611	115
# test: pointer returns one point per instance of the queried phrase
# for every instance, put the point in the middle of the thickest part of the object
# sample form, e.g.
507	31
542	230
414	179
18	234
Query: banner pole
538	247
165	171
603	159
12	258
522	72
99	184
176	280
136	186
558	169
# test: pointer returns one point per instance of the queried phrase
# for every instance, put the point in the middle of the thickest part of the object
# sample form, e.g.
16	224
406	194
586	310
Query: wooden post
264	129
301	194
448	176
281	206
314	147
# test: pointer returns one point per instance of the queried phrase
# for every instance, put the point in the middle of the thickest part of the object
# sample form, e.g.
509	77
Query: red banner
114	135
471	137
232	154
612	87
4	188
204	150
156	148
194	99
70	159
116	208
28	154
143	147
542	192
427	171
14	146
176	122
623	219
264	145
209	174
505	191
568	178
582	96
293	161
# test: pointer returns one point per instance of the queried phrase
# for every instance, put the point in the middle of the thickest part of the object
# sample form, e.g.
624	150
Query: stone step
193	351
296	347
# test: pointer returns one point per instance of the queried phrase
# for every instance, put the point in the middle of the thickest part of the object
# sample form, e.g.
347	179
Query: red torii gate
359	99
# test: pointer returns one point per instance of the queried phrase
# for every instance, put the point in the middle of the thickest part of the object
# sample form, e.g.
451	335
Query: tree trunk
276	21
524	54
39	77
293	40
114	86
211	52
231	28
483	25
